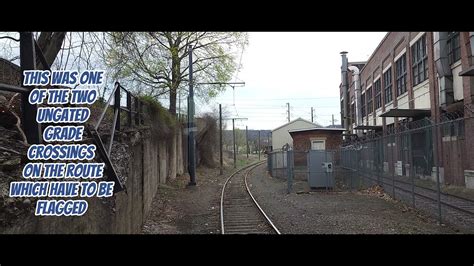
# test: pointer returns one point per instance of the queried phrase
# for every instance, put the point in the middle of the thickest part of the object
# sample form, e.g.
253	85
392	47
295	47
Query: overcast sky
300	68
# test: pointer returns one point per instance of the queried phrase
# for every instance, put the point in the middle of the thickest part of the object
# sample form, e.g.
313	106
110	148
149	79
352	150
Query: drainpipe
446	93
355	75
344	90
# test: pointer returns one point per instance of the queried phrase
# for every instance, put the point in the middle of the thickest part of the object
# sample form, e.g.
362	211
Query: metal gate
320	164
314	166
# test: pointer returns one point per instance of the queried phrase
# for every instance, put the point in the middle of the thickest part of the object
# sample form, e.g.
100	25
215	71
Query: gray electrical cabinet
320	169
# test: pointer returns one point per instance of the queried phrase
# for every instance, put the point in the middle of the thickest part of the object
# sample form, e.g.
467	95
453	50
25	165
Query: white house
281	136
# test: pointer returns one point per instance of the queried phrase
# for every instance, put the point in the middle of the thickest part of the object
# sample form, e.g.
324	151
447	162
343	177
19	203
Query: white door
318	144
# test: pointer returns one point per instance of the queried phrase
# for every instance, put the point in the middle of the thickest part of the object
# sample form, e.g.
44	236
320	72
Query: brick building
316	138
412	77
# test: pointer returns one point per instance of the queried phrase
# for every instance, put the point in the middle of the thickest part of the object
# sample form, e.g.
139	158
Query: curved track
240	212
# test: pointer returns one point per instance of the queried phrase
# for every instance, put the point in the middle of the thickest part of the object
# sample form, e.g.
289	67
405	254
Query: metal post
129	107
435	155
379	146
137	111
220	138
259	145
345	89
28	115
312	114
235	153
326	172
268	141
412	172
117	107
191	126
393	160
247	139
289	155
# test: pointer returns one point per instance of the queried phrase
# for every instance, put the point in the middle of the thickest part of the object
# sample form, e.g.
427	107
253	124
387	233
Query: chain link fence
412	167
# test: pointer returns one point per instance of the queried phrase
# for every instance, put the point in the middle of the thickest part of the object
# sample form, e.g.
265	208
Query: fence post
412	172
326	173
129	107
137	111
394	146
436	154
289	159
117	107
220	140
28	115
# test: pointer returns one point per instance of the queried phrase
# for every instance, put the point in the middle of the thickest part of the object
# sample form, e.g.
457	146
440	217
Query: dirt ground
178	209
306	211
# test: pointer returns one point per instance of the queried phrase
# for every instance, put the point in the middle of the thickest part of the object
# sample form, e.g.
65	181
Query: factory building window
387	84
454	47
401	72
370	100
378	94
362	104
419	61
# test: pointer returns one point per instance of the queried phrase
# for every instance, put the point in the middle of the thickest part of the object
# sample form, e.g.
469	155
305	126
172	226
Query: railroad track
240	212
455	209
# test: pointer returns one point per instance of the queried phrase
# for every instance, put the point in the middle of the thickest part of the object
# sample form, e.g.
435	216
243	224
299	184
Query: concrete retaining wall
148	165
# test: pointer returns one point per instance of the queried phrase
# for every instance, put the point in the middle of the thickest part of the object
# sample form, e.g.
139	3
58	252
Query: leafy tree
158	61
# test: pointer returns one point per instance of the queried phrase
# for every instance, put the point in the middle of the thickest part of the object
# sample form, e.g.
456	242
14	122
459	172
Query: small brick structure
302	138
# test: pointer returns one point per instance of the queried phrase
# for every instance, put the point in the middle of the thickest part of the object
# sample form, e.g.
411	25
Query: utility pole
333	120
259	145
233	133
28	115
288	104
191	126
220	138
312	115
247	139
268	138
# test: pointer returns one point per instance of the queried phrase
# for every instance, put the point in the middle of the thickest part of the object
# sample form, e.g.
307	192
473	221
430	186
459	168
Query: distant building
281	136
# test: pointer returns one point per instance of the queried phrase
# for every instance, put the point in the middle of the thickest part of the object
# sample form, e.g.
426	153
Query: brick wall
302	140
454	156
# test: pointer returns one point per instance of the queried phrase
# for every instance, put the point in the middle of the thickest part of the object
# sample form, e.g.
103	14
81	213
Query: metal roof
467	72
298	119
406	113
368	128
316	128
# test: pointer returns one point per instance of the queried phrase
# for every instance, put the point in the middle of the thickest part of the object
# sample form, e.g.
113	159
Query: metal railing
29	50
134	114
131	110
